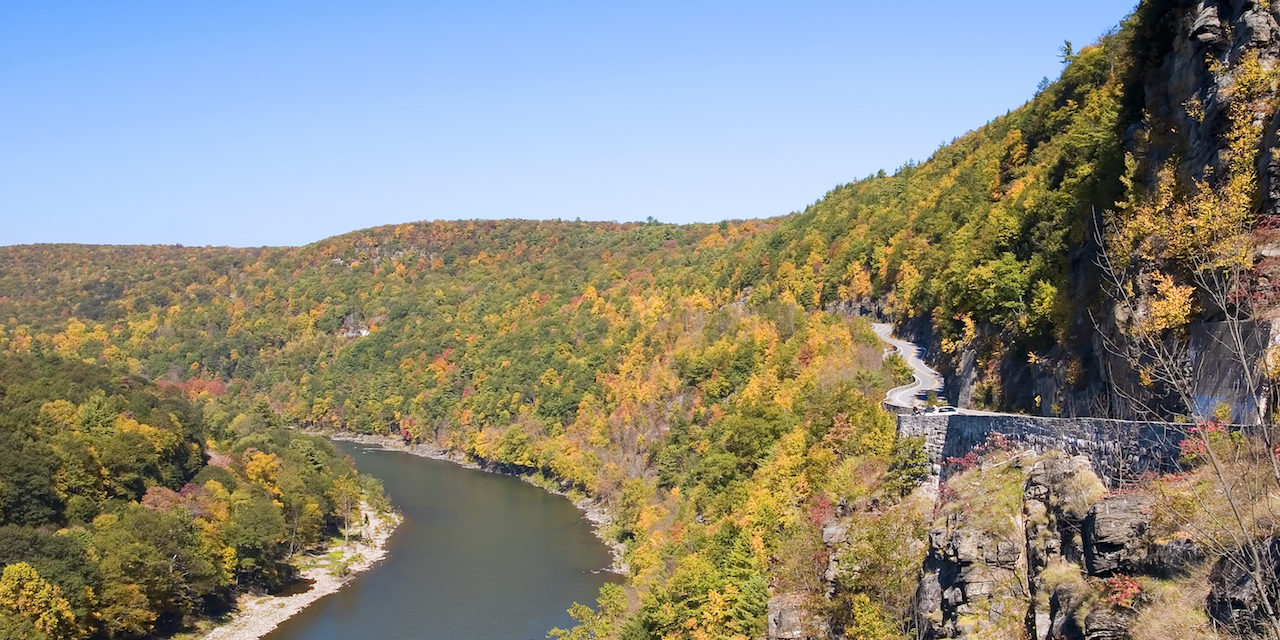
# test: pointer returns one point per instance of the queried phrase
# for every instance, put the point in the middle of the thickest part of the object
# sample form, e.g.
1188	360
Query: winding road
926	379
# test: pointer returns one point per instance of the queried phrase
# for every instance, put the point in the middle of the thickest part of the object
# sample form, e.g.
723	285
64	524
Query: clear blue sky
252	123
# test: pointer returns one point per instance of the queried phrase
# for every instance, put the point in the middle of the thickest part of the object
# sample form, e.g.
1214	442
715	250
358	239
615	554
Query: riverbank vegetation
124	516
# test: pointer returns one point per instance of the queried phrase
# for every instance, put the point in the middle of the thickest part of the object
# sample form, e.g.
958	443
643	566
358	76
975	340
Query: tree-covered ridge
713	425
112	524
688	376
107	283
988	239
981	233
1151	147
423	290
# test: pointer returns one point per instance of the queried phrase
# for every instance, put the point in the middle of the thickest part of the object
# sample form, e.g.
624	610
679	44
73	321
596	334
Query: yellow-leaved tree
31	607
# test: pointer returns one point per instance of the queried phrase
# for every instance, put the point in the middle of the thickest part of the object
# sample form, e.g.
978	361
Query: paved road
926	379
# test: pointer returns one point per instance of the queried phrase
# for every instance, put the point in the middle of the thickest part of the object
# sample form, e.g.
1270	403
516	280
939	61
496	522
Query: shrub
908	467
1121	590
1200	437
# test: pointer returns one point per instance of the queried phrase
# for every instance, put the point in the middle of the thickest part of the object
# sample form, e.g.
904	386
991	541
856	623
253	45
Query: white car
944	410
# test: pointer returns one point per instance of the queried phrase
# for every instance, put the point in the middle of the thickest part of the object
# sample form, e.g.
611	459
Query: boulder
1004	554
835	532
1063	605
926	606
789	618
1207	28
1173	559
1114	534
965	546
1106	623
1259	29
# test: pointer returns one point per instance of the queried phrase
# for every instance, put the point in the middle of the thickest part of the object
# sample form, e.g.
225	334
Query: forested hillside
1149	151
602	356
118	519
704	381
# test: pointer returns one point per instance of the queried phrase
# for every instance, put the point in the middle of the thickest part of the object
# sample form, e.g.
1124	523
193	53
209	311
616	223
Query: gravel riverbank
258	615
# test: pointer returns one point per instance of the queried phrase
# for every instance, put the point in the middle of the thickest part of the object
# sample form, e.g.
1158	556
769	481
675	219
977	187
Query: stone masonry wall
1120	450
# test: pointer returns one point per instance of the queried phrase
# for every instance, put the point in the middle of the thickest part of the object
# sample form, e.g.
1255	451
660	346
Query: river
479	556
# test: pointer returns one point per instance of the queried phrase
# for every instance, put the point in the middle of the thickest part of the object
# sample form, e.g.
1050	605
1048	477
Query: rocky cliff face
1028	548
1179	111
1017	544
1199	34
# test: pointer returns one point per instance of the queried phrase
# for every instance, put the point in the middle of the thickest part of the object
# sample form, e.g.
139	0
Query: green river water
479	556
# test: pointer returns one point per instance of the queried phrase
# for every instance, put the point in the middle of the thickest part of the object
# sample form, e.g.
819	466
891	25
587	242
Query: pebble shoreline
259	615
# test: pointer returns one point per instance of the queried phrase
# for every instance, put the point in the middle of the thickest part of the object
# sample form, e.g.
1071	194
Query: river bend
478	556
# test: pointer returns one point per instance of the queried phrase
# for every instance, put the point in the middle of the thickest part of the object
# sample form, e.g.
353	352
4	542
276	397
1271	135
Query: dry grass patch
1199	504
1175	609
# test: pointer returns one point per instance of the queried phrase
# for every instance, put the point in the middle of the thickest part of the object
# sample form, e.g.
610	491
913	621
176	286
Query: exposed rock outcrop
1106	623
1069	575
791	618
1059	492
1234	598
1063	605
971	578
1172	559
1114	534
834	534
975	571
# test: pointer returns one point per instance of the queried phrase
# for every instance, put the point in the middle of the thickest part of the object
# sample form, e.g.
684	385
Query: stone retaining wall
1120	450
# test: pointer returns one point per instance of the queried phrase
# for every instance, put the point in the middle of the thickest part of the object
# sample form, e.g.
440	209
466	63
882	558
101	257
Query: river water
479	556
